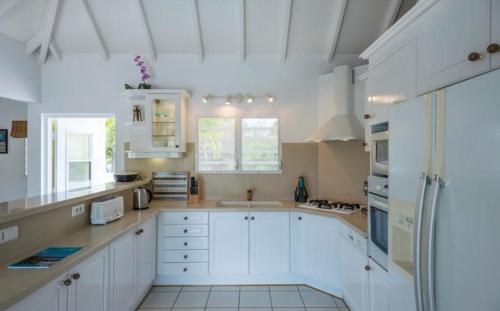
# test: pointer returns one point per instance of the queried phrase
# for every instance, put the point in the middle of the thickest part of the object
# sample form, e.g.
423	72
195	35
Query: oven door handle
379	204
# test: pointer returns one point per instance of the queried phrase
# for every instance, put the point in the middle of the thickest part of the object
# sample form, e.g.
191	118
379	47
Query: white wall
20	73
12	178
84	83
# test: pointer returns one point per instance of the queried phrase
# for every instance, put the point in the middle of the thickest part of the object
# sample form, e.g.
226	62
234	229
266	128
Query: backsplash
335	171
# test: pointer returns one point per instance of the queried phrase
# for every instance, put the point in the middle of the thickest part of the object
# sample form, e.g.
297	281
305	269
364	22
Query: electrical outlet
77	210
8	234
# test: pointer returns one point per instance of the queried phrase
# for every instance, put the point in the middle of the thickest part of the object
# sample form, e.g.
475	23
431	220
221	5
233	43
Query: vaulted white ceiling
198	27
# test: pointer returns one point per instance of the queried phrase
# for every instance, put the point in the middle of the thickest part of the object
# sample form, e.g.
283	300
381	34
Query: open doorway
80	152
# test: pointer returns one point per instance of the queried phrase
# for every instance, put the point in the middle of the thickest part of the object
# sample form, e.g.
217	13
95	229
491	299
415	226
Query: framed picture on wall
4	141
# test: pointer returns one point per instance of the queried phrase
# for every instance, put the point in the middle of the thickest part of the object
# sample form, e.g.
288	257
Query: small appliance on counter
106	210
126	176
142	198
301	194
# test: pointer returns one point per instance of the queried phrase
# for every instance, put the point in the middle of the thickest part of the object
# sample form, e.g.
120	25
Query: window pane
216	144
78	146
260	144
79	175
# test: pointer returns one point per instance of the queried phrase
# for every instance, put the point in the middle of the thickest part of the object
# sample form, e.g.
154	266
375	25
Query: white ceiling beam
47	30
9	6
33	43
147	31
54	50
102	44
338	17
242	30
197	29
392	12
286	30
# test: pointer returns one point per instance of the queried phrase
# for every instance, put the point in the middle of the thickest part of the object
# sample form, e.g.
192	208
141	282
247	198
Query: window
79	160
224	144
260	145
216	144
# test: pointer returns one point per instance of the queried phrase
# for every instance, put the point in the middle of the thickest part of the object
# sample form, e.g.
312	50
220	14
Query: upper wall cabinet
452	42
161	129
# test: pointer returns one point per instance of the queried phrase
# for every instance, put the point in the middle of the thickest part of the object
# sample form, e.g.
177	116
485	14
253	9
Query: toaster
106	210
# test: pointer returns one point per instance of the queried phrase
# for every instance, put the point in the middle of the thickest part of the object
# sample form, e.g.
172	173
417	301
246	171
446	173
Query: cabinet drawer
179	218
185	256
185	243
183	268
185	230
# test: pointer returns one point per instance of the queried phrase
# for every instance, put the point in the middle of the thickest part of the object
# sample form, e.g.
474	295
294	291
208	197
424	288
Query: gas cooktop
337	207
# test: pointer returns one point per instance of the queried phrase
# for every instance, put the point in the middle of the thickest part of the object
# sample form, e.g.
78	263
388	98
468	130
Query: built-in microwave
380	149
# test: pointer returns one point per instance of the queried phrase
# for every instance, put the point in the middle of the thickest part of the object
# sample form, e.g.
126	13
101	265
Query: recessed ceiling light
270	98
228	100
205	99
249	99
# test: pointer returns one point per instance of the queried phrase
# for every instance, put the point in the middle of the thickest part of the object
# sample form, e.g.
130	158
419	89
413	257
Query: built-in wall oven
378	219
380	149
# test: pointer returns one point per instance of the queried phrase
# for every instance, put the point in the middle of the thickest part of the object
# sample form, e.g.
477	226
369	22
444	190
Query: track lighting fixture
237	98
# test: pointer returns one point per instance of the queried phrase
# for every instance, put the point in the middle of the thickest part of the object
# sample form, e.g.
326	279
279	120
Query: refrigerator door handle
417	238
437	183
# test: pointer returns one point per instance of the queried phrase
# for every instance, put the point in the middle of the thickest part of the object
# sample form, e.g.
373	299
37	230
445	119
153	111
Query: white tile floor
240	298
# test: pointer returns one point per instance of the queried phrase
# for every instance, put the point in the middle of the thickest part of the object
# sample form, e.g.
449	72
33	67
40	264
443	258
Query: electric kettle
142	197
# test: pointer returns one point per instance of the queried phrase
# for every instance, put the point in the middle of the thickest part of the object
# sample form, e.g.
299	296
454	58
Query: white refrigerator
445	163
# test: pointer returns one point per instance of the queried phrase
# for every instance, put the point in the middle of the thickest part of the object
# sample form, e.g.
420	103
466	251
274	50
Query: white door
122	278
378	289
89	291
228	242
146	254
448	33
270	243
51	297
297	246
495	32
321	250
354	275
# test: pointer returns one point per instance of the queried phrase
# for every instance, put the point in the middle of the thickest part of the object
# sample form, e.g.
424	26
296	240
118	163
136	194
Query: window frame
238	145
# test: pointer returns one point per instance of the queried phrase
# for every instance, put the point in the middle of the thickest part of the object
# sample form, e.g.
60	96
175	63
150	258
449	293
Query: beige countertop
357	221
13	210
16	284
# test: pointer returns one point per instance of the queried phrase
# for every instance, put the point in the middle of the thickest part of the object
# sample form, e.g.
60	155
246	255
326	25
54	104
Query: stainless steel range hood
343	125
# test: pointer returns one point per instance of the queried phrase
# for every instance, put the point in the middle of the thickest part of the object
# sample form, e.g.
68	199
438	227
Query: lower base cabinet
378	287
115	278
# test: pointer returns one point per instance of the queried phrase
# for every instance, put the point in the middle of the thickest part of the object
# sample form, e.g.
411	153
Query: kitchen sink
248	204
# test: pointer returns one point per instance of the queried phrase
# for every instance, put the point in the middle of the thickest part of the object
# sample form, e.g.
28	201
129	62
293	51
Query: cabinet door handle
67	282
367	116
75	276
246	217
367	268
493	48
139	232
474	56
185	230
185	269
185	218
299	218
252	218
185	256
185	243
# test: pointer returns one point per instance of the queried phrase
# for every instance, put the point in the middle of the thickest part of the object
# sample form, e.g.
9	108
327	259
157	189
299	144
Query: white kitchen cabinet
89	288
353	260
228	242
495	32
378	287
315	253
391	80
146	256
269	243
401	291
162	131
51	297
447	34
122	277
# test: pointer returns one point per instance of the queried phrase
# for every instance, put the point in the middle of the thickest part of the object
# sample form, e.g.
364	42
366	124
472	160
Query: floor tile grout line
176	297
208	298
270	297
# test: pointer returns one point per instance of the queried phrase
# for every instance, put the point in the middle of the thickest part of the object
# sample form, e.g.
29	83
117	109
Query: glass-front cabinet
161	128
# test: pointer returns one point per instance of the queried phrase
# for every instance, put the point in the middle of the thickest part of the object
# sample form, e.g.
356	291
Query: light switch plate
9	234
77	210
